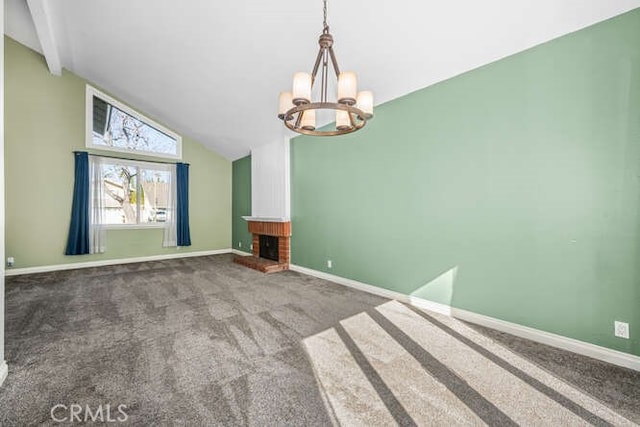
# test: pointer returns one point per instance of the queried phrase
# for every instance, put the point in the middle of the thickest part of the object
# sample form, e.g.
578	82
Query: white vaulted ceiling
212	70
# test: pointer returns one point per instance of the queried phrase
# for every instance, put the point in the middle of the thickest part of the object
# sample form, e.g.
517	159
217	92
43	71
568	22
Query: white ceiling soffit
212	70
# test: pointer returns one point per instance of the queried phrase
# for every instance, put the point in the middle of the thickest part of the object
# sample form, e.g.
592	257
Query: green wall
44	124
512	190
241	239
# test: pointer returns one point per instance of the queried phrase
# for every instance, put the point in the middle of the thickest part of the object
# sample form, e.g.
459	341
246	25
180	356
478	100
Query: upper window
116	127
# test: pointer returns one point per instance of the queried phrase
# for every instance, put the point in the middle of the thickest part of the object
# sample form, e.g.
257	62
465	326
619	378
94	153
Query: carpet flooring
203	341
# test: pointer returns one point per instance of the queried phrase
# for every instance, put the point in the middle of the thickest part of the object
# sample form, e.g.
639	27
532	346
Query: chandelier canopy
352	109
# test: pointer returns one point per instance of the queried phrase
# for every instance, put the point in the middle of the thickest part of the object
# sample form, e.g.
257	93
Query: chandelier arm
323	86
299	120
314	73
352	120
335	62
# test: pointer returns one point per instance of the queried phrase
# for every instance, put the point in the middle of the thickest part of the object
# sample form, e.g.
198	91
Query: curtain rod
131	160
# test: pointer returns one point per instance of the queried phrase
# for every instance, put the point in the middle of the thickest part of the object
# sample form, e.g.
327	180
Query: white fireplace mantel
265	219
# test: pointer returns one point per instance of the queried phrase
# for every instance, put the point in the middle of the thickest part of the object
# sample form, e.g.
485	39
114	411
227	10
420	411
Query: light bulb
343	121
308	121
347	88
286	103
365	103
301	88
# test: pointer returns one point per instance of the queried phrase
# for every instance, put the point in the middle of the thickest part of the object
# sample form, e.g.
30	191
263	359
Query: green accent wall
44	124
241	239
512	190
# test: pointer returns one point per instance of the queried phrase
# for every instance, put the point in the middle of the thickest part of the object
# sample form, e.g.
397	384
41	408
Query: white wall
3	365
270	181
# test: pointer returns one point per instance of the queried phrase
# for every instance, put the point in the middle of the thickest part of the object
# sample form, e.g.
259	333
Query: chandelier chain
324	22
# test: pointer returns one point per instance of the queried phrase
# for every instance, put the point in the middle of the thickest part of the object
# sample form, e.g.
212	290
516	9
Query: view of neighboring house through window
115	127
135	193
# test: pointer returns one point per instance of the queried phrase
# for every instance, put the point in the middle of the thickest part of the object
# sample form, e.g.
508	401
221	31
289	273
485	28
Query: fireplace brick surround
282	230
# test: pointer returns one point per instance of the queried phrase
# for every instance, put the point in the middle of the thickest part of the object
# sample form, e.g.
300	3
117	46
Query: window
134	193
116	127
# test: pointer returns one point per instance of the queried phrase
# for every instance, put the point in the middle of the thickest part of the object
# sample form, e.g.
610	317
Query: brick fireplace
278	229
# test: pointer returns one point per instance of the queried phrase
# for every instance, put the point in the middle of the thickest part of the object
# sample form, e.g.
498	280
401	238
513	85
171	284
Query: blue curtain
182	202
78	240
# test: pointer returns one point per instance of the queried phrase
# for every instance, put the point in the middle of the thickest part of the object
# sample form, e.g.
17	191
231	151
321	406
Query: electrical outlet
251	246
10	261
329	264
621	329
239	244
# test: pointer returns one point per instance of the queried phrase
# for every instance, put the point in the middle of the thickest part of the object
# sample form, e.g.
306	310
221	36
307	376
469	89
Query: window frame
139	165
91	92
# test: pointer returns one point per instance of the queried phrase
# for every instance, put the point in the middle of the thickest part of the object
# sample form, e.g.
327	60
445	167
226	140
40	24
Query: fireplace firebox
269	247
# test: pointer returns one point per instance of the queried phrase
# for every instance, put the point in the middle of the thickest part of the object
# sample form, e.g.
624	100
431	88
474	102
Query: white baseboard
242	253
101	263
614	357
4	371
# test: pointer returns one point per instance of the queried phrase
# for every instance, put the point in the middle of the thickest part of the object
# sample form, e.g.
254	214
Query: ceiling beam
42	21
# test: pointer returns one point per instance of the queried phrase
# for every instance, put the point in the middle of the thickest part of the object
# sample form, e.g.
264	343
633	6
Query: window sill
133	226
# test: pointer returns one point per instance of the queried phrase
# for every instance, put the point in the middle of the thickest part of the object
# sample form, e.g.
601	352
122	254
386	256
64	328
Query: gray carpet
616	387
203	341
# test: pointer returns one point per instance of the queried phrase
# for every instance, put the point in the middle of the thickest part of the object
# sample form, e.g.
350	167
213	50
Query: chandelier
352	110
